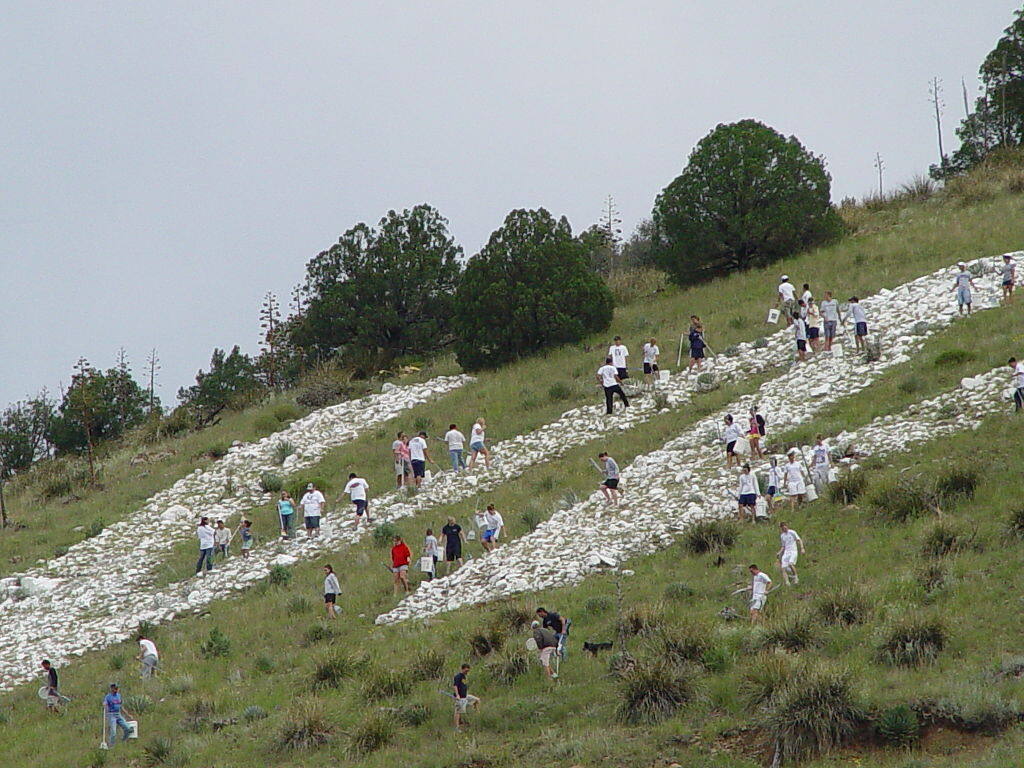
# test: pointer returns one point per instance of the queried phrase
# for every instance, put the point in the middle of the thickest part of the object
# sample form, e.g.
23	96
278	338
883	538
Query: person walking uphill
148	657
619	354
453	538
460	689
830	318
206	537
400	556
456	444
357	488
477	443
786	298
697	344
52	687
610	484
608	377
114	714
1009	271
420	456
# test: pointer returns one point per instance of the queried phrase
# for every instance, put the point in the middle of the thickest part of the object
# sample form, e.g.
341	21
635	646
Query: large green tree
383	292
232	379
24	427
998	116
530	287
747	196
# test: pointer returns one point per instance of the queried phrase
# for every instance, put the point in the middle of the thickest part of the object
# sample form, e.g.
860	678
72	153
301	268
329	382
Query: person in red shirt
400	555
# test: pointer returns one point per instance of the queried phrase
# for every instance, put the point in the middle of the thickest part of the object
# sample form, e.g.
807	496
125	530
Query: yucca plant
710	536
912	640
508	666
653	690
306	727
844	606
899	726
373	732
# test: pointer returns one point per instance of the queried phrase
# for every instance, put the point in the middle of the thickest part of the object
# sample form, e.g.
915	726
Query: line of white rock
685	480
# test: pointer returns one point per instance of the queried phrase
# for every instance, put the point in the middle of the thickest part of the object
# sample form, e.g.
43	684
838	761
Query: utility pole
935	97
880	165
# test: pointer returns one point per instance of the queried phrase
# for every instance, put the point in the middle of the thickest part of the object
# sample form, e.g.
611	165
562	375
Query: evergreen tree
232	380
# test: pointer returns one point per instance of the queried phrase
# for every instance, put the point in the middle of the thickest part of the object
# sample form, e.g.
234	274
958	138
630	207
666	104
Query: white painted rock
37	585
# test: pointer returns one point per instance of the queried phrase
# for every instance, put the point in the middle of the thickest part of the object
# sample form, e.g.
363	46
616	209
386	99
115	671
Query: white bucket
742	447
663	376
773	316
427	564
811	494
133	728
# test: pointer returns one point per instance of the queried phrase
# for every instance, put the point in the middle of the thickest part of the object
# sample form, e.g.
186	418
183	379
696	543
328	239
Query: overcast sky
163	165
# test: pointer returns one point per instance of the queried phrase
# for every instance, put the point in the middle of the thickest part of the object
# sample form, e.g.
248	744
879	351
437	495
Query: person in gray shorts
829	309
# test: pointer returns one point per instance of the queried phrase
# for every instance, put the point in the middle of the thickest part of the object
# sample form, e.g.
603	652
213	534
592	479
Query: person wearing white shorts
792	547
760	586
796	487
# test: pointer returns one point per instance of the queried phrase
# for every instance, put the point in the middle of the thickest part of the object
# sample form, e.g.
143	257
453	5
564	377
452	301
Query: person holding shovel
113	716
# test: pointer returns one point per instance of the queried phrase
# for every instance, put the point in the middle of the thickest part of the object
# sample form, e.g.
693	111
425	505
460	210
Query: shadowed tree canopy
747	197
530	287
382	293
97	406
998	116
232	378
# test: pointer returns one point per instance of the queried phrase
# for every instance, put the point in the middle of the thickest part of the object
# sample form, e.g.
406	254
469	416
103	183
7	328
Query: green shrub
428	664
952	357
815	712
932	576
596	605
329	385
181	684
116	662
681	643
266	425
282	450
297	605
912	640
384	534
254	712
843	606
157	751
909	386
137	703
642	619
57	487
767	674
849	487
296	486
717	658
219	449
146	628
559	391
271	482
954	484
792	632
385	683
942	539
514	616
1015	523
412	715
279	576
898	726
95	528
901	499
373	732
948	411
60	550
974	710
423	424
306	727
654	690
530	519
710	536
678	591
286	412
317	633
216	644
263	664
485	641
508	666
332	670
761	343
661	401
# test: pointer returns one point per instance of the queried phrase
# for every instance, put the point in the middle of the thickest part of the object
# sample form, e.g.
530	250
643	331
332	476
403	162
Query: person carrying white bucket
113	718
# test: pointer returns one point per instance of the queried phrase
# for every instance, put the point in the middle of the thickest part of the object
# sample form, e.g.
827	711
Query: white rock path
686	481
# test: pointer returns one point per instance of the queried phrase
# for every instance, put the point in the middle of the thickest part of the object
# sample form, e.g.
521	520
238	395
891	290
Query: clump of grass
116	662
559	391
681	643
815	712
306	727
717	658
486	640
95	528
950	357
385	683
530	519
642	619
266	425
373	732
932	576
137	703
678	591
843	606
157	751
297	605
912	641
760	343
428	664
768	674
254	712
271	482
282	449
941	540
412	715
218	450
792	632
899	726
654	690
901	499
286	412
146	628
710	536
956	483
334	669
263	664
215	645
279	576
317	633
514	616
181	684
974	710
598	604
948	411
909	386
384	534
661	401
849	487
1015	523
508	666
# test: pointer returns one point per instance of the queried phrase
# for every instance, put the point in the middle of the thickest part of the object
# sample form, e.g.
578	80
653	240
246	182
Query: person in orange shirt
400	555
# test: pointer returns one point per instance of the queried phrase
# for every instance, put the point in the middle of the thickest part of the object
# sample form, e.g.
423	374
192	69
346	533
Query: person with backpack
755	433
547	643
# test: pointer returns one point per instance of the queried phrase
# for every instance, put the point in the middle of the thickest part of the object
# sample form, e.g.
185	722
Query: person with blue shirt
286	510
114	712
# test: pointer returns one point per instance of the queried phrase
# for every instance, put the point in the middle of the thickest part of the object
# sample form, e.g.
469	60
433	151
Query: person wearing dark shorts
610	484
609	378
331	591
451	533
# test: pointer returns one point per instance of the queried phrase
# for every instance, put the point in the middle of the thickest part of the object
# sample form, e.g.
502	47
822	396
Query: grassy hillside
301	670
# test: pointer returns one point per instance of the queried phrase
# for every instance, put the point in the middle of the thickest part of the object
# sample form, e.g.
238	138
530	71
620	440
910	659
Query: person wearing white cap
786	298
312	503
962	285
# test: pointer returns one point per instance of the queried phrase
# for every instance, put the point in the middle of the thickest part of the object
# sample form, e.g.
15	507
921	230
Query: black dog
593	648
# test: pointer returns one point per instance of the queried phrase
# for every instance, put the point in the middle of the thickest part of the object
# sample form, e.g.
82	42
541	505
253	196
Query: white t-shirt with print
651	353
356	489
759	584
618	353
416	448
787	291
312	503
607	374
748	484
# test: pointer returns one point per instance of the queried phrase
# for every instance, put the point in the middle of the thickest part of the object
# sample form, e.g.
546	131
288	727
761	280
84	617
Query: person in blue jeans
286	510
205	534
114	713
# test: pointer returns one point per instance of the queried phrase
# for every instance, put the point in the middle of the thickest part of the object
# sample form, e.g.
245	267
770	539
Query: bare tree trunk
3	505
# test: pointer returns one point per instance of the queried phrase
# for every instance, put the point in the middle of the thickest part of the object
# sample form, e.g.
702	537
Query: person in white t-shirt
356	488
494	524
807	297
206	536
962	284
312	503
813	321
456	443
477	443
760	587
651	353
792	547
776	483
860	322
829	319
747	493
786	298
148	657
730	434
1018	382
796	487
821	465
608	377
619	355
418	457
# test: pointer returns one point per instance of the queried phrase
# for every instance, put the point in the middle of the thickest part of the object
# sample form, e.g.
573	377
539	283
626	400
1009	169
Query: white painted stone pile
685	480
95	594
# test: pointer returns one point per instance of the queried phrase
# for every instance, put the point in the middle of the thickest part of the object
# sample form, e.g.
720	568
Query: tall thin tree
152	366
880	166
270	329
935	97
611	228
